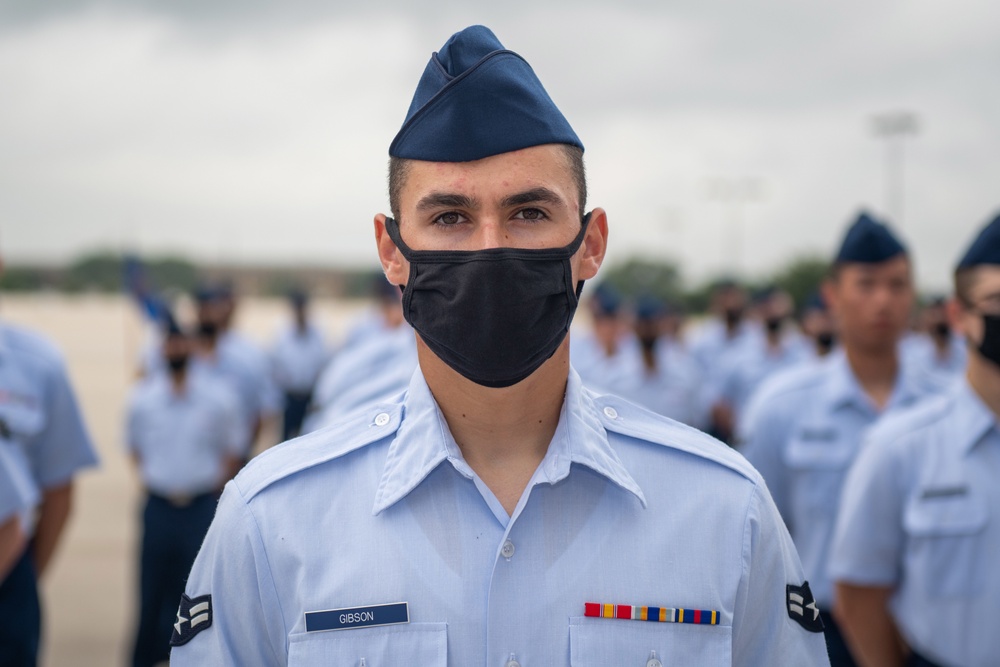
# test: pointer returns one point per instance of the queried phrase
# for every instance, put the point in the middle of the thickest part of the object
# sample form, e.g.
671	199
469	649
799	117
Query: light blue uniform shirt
182	440
18	494
710	341
367	372
921	514
802	430
39	412
298	357
626	507
742	369
675	389
924	354
597	369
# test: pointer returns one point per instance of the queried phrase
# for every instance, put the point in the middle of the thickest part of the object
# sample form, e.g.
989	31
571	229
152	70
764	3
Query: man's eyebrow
446	200
539	195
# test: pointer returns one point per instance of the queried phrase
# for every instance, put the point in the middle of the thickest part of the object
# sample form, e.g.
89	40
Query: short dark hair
399	168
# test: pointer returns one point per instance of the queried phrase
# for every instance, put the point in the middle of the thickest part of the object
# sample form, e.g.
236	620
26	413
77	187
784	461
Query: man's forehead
539	168
900	264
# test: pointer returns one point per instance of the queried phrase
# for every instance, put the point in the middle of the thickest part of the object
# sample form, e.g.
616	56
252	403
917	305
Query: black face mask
773	324
493	315
177	363
733	317
208	329
941	330
824	341
990	345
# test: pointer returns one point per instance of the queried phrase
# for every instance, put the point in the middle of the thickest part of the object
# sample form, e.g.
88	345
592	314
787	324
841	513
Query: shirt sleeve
63	446
868	541
761	439
231	570
763	631
232	426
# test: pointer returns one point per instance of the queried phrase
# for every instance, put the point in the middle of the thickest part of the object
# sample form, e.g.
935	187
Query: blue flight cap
868	241
477	99
648	307
985	249
606	301
815	301
206	292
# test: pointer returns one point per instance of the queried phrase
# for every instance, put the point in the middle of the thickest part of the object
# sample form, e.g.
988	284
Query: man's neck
984	378
875	370
178	380
503	433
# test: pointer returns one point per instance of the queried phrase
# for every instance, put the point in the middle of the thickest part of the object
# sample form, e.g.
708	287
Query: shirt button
507	550
381	419
653	662
512	663
610	413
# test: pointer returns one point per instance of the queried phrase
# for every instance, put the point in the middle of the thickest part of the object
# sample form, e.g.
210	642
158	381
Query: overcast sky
258	131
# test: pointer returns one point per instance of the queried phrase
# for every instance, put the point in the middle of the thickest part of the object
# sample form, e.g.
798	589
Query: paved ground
88	594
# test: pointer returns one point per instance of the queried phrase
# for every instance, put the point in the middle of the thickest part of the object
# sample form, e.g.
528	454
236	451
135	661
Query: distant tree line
801	277
105	272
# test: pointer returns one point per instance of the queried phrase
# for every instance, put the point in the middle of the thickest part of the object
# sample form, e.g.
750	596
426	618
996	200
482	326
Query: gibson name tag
358	617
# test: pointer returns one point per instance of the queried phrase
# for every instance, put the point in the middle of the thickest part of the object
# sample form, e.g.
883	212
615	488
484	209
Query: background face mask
492	315
989	347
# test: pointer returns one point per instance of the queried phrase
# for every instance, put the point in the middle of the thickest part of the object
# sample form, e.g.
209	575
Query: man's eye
449	218
530	214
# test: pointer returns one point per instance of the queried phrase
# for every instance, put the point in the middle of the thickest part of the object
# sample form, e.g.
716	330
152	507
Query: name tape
358	617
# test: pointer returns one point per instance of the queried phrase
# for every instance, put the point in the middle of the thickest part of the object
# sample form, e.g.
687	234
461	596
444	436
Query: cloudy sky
243	130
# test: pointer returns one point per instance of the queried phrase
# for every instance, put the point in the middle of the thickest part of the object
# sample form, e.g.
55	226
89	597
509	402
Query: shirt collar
973	420
845	390
424	441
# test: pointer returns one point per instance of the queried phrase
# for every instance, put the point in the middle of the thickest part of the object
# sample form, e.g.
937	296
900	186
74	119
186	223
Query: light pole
734	194
894	127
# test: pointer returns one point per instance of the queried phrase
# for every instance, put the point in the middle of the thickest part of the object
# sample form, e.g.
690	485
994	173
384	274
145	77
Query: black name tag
357	617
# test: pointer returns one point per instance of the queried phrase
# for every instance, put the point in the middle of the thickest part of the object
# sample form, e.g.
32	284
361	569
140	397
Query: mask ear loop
585	223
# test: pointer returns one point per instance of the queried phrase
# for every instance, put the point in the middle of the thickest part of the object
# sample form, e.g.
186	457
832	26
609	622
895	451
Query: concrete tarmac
90	591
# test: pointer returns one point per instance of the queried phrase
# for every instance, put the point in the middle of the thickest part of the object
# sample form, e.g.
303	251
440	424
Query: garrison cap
477	99
985	249
649	307
869	241
606	301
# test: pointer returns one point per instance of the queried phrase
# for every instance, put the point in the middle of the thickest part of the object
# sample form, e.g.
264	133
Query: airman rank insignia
630	612
193	616
802	607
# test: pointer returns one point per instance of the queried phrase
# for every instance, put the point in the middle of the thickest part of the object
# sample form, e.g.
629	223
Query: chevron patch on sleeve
193	616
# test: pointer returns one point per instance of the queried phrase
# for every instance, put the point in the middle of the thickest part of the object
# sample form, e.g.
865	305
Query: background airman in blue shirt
915	553
185	433
298	356
499	513
803	428
43	431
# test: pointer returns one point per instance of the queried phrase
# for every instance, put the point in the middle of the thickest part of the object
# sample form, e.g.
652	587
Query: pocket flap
385	646
831	452
931	515
608	641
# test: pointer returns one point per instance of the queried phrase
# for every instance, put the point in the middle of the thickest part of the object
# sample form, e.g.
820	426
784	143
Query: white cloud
246	134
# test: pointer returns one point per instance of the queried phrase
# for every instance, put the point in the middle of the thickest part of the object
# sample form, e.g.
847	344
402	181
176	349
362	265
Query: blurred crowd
206	393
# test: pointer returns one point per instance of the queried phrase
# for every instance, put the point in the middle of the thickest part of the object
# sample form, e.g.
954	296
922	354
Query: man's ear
394	265
594	246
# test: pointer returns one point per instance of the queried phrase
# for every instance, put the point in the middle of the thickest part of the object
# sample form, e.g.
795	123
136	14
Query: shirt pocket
423	644
22	420
818	468
944	549
598	642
